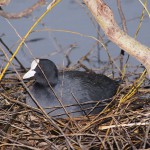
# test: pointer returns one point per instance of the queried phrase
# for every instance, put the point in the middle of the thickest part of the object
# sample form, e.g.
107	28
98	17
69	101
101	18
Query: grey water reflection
69	15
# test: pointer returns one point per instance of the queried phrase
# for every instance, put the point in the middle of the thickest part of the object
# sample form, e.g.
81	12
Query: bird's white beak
31	72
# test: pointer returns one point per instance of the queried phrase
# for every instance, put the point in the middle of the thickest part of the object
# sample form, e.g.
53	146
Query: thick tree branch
105	18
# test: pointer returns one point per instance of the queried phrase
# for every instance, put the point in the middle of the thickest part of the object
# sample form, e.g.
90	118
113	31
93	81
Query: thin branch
24	13
104	16
124	125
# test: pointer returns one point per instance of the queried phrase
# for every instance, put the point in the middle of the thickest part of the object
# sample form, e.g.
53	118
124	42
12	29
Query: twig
124	125
24	13
21	65
25	37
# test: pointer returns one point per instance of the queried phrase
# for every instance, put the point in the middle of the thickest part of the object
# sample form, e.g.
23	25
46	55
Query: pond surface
54	37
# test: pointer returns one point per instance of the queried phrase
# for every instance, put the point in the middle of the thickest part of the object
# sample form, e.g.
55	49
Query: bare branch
104	16
24	13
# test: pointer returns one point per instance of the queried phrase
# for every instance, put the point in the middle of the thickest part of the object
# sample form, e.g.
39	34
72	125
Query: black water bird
80	93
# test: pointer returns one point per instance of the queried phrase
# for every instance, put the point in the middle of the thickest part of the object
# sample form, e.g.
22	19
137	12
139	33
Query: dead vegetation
119	126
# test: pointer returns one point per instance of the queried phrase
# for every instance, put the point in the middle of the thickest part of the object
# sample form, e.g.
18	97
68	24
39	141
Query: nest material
125	126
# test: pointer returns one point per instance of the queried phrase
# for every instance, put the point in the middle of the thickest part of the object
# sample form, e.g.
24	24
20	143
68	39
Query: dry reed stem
54	3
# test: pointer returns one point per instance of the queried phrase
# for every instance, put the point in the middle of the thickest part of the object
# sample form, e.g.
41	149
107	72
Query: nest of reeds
123	125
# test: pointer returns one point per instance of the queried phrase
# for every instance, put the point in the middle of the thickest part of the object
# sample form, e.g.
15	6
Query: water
69	15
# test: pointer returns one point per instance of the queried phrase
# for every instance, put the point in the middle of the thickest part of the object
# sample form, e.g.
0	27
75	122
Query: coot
80	93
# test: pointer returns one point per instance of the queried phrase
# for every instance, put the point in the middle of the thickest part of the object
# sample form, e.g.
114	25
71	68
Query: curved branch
105	18
24	13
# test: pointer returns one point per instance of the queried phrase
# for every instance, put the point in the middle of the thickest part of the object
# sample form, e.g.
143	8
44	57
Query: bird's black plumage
78	91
